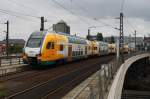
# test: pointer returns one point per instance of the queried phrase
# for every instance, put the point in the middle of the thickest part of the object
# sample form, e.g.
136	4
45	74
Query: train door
69	52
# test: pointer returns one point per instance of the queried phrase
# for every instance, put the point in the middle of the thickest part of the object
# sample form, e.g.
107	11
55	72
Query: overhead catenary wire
131	26
21	17
21	4
97	20
71	12
122	5
22	14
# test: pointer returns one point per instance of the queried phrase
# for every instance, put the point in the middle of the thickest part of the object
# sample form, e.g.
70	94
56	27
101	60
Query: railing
10	60
99	85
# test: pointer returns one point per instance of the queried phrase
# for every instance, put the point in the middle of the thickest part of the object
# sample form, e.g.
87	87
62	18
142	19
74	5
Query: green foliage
15	49
99	37
2	91
112	39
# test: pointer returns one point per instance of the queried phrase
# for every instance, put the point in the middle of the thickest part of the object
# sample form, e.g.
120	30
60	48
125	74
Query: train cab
112	48
45	48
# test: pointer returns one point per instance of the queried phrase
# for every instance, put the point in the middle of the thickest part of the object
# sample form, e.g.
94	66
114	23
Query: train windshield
35	40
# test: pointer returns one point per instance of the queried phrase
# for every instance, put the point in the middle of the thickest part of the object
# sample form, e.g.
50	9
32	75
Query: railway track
54	82
18	75
29	73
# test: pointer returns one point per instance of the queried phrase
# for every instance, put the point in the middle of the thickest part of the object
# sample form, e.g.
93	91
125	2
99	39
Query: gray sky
79	14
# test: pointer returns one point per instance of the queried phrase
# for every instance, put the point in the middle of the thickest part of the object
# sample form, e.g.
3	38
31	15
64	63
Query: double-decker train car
112	48
103	48
89	48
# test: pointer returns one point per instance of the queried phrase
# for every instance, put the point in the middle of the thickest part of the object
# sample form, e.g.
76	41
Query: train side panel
54	49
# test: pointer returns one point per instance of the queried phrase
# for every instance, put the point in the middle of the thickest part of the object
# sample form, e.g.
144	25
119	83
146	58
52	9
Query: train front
32	49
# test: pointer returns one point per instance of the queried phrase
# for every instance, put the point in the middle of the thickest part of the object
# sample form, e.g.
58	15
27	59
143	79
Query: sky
24	16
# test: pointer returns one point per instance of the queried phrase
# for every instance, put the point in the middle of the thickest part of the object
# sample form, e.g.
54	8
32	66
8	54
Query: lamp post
118	48
7	38
89	30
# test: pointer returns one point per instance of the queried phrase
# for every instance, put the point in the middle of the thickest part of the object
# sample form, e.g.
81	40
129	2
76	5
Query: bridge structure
117	85
107	83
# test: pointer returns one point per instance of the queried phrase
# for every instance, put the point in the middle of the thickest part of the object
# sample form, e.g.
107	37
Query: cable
16	16
71	12
122	5
20	4
84	10
18	13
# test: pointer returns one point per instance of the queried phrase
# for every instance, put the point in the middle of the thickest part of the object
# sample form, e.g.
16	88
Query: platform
4	70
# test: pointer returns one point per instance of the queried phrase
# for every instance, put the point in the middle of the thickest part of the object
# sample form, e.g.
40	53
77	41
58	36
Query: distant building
2	49
147	43
12	42
130	41
93	37
61	27
127	39
16	42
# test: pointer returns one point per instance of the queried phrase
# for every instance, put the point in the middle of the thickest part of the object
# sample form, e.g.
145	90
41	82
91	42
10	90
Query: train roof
71	38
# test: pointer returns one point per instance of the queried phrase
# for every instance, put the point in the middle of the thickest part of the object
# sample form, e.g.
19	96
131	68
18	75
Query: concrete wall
117	85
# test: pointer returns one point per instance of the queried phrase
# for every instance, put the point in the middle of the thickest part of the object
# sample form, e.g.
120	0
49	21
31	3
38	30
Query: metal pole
117	50
130	41
7	38
42	24
135	39
121	42
88	37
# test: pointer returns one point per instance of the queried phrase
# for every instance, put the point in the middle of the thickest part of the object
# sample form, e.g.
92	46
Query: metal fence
99	85
10	60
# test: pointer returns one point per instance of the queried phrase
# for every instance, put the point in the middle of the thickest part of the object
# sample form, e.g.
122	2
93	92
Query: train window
89	47
61	47
95	48
34	42
76	53
52	45
73	53
48	46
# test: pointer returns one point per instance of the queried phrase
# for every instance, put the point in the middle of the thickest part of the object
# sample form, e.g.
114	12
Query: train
46	48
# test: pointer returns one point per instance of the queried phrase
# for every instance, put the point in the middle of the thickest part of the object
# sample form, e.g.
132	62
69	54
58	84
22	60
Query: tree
112	39
99	37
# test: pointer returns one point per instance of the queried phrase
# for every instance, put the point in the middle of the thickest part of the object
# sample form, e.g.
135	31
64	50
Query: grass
2	91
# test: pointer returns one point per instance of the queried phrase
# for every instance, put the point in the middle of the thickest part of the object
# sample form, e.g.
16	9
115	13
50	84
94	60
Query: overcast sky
78	14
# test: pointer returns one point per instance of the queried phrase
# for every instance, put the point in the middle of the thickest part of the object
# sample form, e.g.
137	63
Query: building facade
61	27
